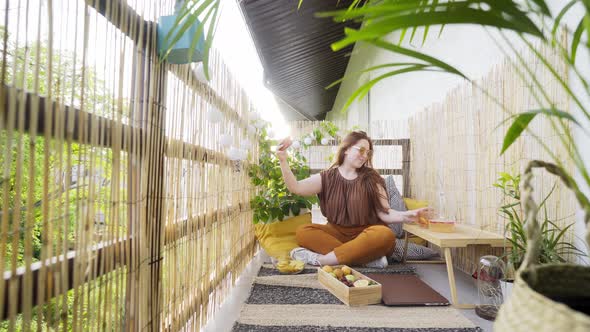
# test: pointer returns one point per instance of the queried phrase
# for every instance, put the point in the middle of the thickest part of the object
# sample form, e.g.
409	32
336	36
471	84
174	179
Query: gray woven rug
300	303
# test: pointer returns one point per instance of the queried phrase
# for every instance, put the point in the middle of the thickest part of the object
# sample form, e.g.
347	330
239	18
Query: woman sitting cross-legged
353	198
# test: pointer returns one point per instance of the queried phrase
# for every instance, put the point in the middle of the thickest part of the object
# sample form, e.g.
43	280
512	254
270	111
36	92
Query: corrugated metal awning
294	47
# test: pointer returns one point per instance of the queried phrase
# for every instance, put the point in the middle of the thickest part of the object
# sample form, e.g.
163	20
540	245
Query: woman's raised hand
282	149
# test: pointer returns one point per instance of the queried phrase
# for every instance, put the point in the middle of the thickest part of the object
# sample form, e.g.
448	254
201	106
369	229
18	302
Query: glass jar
491	271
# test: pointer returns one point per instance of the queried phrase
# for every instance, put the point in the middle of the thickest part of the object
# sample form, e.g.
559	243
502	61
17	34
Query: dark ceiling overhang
294	48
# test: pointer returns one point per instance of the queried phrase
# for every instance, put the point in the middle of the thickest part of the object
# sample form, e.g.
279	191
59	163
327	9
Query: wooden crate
351	296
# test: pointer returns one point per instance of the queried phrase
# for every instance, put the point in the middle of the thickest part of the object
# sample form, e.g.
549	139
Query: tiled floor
433	274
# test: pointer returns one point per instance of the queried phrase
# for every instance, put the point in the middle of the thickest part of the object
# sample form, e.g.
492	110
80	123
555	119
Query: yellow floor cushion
412	204
417	240
278	238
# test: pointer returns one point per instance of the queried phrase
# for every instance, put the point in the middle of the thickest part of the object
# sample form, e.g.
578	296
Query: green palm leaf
522	121
187	16
558	18
418	55
384	17
364	89
542	7
576	39
430	64
387	65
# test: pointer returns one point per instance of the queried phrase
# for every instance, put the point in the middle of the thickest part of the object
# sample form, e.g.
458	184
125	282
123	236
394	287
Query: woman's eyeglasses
363	151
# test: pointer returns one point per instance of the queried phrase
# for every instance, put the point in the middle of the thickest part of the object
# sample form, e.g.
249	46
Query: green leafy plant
553	247
327	130
273	200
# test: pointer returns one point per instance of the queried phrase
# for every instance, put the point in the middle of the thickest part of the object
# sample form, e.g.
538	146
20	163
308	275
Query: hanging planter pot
179	51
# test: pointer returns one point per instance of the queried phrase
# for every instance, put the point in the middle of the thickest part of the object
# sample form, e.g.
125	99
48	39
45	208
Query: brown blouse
344	202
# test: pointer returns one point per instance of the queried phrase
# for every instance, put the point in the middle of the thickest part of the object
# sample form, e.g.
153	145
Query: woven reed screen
119	209
456	150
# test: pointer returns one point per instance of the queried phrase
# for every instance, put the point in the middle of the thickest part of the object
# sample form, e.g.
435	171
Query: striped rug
300	303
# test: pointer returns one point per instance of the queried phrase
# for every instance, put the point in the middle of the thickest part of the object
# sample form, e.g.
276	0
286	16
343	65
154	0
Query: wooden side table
460	238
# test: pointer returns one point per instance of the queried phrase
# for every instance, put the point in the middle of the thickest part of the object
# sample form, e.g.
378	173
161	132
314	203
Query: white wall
468	48
358	111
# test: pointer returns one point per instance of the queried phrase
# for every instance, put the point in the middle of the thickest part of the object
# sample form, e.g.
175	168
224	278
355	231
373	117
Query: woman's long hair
367	174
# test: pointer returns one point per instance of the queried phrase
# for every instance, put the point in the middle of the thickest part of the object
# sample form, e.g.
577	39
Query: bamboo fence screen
120	209
456	150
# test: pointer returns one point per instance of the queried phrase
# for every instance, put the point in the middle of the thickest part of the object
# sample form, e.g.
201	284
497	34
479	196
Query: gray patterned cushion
415	252
396	202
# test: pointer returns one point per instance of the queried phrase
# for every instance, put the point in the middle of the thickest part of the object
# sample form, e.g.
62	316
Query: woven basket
536	302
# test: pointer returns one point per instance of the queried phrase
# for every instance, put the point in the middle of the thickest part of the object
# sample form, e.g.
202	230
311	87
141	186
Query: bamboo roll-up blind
119	208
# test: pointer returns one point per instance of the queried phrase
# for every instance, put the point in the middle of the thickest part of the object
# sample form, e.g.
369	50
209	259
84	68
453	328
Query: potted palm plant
273	202
553	248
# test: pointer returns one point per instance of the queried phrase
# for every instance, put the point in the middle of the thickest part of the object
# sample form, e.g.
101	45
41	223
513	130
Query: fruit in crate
350	278
345	276
346	282
290	266
346	270
327	268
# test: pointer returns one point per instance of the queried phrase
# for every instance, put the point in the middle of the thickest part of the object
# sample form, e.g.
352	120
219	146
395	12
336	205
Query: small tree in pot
273	201
554	249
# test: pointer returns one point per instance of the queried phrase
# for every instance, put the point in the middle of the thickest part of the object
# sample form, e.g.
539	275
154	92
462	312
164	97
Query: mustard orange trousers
352	245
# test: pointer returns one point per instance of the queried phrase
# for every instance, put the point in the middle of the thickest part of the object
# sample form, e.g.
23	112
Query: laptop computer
407	290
